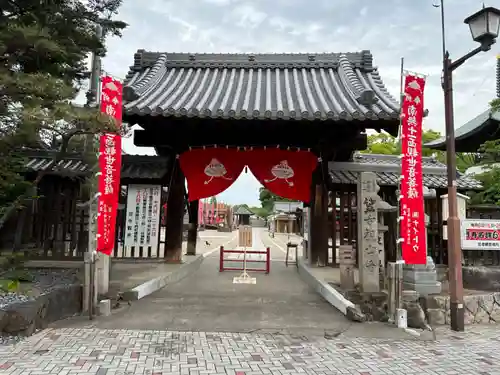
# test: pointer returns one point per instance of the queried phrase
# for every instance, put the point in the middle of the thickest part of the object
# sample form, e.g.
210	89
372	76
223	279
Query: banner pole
90	294
399	255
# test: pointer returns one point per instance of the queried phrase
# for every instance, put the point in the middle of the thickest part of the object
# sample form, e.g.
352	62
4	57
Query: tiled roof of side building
133	166
330	86
388	171
487	123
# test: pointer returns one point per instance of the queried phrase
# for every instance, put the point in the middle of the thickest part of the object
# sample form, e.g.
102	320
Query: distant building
242	216
284	218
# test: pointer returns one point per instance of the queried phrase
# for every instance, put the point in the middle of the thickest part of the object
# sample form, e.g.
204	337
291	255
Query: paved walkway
209	301
127	274
129	352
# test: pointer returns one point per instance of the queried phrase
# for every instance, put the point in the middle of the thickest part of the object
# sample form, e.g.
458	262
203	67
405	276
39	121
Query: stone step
423	289
424	277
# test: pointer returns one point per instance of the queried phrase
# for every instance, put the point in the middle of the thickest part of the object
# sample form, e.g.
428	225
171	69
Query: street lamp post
484	26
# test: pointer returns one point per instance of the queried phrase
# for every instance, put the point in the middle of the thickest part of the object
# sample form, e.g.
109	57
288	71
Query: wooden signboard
245	236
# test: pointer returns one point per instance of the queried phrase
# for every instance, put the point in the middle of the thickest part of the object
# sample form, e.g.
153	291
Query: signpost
142	228
245	240
480	234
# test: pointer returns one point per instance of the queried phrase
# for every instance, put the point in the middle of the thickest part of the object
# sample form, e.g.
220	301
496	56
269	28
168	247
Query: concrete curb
330	294
153	285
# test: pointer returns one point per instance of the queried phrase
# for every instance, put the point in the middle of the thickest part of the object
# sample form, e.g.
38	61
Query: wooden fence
53	226
50	225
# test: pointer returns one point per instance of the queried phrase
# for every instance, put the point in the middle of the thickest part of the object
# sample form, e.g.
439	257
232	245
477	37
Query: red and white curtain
210	171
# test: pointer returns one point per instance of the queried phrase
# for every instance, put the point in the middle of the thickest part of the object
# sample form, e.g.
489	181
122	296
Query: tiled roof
487	122
330	86
133	166
68	166
242	210
388	169
143	167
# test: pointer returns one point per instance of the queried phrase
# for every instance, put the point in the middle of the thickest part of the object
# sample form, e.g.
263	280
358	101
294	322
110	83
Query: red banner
110	155
210	171
413	231
285	173
111	98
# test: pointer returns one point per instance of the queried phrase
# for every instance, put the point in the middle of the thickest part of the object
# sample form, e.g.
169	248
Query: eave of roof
388	170
243	211
133	166
335	86
478	124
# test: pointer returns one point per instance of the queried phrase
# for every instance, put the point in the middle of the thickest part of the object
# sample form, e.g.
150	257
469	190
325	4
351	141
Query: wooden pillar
323	224
175	216
334	227
20	229
319	223
193	227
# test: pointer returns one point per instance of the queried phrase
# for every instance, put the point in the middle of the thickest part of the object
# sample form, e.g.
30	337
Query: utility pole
90	286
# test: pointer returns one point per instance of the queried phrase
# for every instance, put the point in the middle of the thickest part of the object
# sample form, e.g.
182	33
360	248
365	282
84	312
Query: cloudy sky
391	29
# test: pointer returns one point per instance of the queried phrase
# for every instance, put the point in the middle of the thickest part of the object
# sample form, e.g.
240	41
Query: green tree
495	104
489	153
43	53
491	187
267	199
383	143
260	211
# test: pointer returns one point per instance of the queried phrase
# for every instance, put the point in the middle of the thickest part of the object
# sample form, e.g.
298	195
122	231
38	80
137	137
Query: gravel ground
45	280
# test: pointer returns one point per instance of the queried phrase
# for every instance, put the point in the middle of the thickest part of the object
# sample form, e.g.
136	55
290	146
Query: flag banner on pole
110	152
412	224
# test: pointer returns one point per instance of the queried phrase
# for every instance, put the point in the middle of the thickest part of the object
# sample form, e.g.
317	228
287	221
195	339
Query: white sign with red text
480	234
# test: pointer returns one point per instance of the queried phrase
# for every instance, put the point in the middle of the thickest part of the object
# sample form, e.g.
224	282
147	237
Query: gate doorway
285	117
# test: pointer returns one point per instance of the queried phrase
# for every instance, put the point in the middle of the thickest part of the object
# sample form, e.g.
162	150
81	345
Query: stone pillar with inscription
382	229
367	222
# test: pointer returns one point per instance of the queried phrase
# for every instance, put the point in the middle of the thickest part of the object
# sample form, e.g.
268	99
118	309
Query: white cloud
392	29
246	16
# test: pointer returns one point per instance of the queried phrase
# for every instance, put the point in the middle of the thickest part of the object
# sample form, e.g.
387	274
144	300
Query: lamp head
484	26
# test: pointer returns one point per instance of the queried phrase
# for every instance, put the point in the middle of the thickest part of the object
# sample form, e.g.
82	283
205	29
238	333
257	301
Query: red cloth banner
285	173
111	98
210	171
412	224
110	155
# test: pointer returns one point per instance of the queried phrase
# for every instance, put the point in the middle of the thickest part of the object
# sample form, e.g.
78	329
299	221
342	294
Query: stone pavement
128	352
208	300
205	325
127	274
